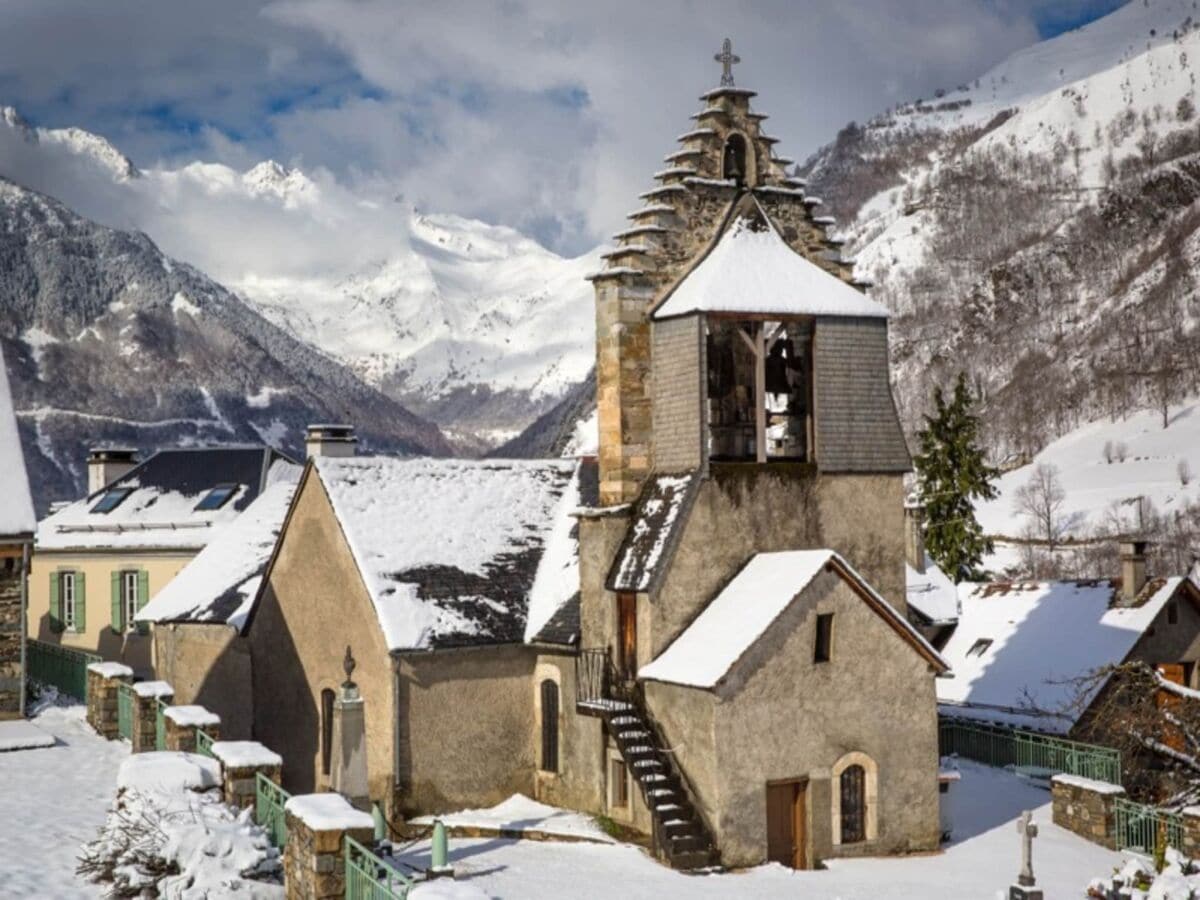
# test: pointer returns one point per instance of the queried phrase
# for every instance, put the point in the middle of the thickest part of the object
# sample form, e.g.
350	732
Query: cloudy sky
547	116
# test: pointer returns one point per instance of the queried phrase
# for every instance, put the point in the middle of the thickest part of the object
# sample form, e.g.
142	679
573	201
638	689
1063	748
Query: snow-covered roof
16	513
458	552
931	594
1018	645
651	536
222	582
743	611
753	270
157	501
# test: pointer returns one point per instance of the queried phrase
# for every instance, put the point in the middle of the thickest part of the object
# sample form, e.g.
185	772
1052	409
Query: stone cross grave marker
1024	888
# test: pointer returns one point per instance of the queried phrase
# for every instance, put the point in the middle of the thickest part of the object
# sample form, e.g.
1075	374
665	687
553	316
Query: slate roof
223	582
658	520
931	595
17	518
160	510
562	627
458	552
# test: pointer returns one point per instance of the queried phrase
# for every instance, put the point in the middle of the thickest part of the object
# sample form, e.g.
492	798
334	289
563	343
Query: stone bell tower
724	156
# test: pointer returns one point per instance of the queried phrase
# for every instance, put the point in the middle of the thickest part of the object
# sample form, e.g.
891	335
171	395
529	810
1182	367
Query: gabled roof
746	608
159	510
1017	647
16	511
221	585
931	595
458	552
751	269
661	512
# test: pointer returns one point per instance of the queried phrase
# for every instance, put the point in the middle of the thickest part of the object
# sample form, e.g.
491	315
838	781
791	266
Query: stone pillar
182	723
240	762
102	681
1086	807
12	630
313	864
146	695
1191	832
348	772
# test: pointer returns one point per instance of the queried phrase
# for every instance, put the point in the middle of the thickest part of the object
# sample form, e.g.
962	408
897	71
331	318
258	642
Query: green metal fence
160	724
369	878
996	745
62	667
269	800
1144	828
125	707
204	742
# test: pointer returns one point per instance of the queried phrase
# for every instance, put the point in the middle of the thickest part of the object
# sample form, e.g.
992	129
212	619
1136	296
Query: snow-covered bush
1178	880
169	835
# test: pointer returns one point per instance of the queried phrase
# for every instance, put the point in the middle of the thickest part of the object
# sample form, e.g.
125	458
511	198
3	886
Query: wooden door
787	820
627	635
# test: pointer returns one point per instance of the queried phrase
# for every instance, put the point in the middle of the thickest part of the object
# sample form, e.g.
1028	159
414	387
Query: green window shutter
80	603
142	597
117	623
56	622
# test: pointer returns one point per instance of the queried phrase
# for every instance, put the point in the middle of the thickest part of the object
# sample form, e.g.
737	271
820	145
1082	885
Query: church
701	631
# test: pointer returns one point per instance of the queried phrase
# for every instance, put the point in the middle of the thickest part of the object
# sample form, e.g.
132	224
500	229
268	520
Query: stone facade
239	769
102	682
182	737
145	715
12	675
1086	808
209	665
679	392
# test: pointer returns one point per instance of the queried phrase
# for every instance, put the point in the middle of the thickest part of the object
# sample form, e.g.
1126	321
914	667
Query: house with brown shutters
702	632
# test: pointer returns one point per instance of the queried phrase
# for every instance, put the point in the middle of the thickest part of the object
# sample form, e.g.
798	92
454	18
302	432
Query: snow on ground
51	801
519	813
1096	488
18	734
979	864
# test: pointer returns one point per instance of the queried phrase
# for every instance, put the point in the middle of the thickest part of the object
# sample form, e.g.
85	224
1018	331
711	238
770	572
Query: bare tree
1041	499
1108	452
1184	471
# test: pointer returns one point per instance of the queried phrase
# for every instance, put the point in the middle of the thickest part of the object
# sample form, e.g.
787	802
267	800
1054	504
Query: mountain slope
107	339
1037	228
474	326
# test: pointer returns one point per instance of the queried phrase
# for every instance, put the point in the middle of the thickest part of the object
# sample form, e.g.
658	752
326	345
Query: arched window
733	167
854	805
549	726
327	696
855	799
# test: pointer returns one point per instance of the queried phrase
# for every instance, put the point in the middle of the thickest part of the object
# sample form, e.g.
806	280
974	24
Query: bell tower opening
733	167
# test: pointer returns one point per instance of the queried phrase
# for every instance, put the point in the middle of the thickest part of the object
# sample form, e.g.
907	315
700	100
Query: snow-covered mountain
107	339
1037	227
474	326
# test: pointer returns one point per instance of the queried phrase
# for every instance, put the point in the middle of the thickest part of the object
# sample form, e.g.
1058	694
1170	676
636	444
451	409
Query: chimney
106	464
914	536
329	440
1133	567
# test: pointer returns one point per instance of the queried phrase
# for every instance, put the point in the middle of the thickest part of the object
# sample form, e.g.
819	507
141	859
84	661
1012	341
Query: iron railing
369	878
996	745
592	677
1145	828
160	724
62	667
125	707
269	800
204	742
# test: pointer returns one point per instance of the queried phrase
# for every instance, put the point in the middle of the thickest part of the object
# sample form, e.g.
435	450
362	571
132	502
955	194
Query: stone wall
12	682
102	682
181	733
314	866
679	392
1086	807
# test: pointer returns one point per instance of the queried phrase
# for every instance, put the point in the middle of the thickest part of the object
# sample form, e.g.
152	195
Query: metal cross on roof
727	58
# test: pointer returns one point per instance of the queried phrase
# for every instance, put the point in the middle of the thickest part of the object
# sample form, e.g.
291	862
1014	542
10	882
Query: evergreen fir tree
952	475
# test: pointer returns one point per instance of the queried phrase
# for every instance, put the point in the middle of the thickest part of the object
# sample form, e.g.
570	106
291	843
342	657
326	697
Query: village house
17	524
99	560
1019	649
701	634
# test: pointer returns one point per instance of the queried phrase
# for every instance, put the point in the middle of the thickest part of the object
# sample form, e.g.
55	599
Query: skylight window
111	499
216	498
980	647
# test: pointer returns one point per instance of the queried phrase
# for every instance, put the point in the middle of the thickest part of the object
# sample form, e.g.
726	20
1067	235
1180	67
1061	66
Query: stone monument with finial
348	767
1025	888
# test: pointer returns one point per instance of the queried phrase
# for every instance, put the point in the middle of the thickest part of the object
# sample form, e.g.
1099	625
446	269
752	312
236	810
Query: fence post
146	695
314	867
241	762
182	723
102	681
